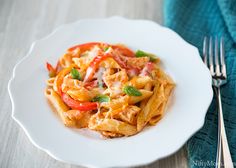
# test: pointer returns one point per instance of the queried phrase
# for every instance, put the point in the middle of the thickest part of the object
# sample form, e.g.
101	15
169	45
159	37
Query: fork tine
217	67
211	57
205	50
222	58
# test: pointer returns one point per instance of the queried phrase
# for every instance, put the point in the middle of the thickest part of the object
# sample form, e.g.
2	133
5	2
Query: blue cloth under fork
194	19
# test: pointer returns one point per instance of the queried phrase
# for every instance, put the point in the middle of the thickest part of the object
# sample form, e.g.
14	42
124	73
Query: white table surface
24	21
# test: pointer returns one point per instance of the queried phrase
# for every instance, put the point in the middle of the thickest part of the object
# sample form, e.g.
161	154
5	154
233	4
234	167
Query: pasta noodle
59	106
108	88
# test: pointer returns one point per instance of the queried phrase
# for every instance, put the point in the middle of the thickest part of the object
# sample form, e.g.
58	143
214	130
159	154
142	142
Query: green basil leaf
75	74
106	48
140	53
131	91
101	98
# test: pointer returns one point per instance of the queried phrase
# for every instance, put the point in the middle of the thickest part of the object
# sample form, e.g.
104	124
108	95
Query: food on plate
108	88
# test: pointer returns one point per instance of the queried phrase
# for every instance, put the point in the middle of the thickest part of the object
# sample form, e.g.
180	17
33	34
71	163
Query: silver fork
215	61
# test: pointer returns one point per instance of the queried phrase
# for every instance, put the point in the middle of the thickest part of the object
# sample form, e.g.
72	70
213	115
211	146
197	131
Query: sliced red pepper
94	65
51	71
124	50
86	46
77	105
121	62
49	67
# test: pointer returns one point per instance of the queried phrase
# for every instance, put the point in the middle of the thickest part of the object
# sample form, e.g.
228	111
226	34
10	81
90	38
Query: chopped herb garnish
131	91
101	98
75	74
140	53
106	48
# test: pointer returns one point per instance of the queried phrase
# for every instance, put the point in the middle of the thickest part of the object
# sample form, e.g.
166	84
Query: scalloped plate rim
41	147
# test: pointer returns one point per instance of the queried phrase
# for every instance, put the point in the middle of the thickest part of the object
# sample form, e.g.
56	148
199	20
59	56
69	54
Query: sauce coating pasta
108	88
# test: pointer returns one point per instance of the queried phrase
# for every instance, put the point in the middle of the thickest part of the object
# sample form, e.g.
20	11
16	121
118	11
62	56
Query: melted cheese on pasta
121	95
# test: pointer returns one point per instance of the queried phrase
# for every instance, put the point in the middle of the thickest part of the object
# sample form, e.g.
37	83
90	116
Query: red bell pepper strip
77	105
94	65
52	71
86	46
49	66
124	50
120	61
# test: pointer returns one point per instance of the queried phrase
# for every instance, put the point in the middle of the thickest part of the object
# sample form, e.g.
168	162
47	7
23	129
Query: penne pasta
114	104
80	94
82	62
151	107
145	94
111	134
59	79
69	83
112	125
109	63
50	82
60	107
148	86
140	82
116	80
81	119
139	62
155	119
129	114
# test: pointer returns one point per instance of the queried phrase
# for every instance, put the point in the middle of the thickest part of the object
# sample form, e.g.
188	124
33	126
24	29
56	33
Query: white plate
184	116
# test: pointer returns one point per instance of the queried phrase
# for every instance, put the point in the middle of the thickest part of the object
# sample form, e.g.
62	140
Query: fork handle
223	151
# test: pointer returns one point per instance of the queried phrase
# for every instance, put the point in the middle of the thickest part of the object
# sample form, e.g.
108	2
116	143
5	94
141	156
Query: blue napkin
193	20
